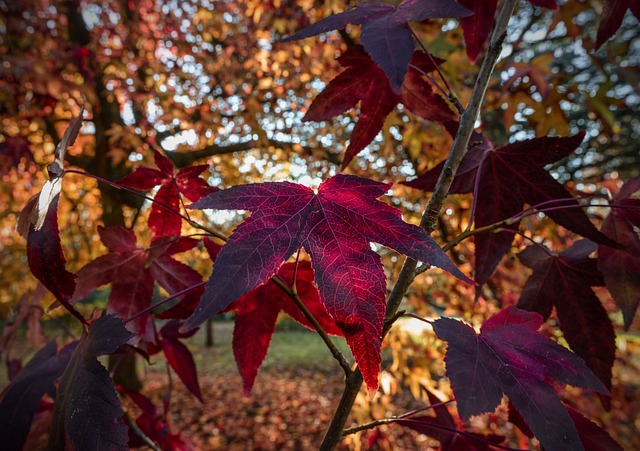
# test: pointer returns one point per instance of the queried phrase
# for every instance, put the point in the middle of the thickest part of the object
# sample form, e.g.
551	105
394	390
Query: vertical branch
430	217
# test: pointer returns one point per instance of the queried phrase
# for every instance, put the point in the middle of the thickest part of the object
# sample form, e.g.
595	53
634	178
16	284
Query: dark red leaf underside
363	81
257	312
87	409
564	281
621	267
336	227
612	14
509	356
22	396
386	35
510	177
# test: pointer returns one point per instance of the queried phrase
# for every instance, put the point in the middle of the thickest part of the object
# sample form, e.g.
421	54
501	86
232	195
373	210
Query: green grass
292	346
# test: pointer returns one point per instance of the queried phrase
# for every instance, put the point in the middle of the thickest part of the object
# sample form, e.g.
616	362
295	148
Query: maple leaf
612	14
510	177
172	183
593	437
87	409
621	267
335	226
153	425
509	356
564	280
442	427
257	312
179	357
476	28
386	35
132	271
363	81
21	398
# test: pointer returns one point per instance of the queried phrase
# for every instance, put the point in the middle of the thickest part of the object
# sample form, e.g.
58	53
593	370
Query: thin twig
449	94
151	199
163	301
429	219
335	352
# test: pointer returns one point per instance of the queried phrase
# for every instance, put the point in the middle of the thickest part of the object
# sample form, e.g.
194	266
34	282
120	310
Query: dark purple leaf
564	281
23	395
510	177
386	35
87	409
510	357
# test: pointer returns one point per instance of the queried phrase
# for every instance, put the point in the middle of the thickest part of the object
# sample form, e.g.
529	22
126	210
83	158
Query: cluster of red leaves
163	219
365	82
336	226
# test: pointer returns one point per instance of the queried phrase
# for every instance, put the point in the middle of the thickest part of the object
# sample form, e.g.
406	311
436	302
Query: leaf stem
151	199
449	94
163	301
374	423
429	219
335	352
418	317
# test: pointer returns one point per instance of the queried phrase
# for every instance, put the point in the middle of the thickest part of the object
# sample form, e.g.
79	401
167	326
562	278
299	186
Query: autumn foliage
546	264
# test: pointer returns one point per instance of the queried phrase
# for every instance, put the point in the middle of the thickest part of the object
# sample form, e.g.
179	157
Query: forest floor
299	386
294	396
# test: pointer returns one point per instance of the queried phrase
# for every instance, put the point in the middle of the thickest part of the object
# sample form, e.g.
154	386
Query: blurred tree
206	81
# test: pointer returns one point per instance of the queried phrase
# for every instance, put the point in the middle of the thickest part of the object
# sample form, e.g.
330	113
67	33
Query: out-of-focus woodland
207	82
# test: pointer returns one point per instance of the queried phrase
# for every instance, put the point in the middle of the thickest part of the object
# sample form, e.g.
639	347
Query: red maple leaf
386	35
87	410
257	312
153	425
172	183
178	355
612	14
132	270
510	177
335	226
621	267
444	428
564	280
363	81
510	357
476	28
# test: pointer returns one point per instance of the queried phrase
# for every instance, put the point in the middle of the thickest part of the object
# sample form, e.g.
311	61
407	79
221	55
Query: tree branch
335	352
430	216
182	159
